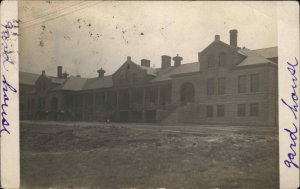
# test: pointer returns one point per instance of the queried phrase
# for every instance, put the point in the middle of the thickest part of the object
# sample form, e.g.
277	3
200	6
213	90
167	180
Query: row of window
221	82
221	60
242	84
128	78
241	110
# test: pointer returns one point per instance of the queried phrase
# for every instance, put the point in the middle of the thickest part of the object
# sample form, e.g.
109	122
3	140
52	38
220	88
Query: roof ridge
265	48
29	73
260	55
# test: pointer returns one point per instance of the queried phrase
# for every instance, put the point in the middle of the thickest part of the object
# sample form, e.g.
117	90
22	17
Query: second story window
254	82
121	79
210	86
242	83
211	61
222	59
221	85
134	79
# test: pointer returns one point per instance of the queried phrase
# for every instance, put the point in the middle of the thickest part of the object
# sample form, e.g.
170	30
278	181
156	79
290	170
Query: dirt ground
99	155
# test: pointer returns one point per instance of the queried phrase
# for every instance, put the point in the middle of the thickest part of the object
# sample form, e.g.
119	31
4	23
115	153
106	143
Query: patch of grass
101	156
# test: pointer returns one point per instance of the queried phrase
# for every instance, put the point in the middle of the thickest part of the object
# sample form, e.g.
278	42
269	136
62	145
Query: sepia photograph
139	94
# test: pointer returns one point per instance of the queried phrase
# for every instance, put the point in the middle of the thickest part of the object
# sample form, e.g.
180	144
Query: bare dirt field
99	155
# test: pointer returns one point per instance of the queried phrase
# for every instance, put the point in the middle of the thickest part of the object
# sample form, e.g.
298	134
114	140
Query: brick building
227	85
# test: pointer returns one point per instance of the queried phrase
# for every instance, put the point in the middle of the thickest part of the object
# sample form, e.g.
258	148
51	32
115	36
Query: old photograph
145	94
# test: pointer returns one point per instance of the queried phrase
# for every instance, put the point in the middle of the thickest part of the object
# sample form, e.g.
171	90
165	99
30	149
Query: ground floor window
254	109
209	111
241	110
220	110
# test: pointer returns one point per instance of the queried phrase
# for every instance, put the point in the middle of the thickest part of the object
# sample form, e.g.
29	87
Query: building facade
227	85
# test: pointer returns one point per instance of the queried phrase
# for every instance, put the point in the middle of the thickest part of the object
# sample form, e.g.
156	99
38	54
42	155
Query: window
221	85
100	98
222	59
121	79
44	102
32	103
254	109
211	61
138	97
28	104
88	98
242	84
241	110
133	77
40	106
220	110
44	85
254	82
209	111
210	86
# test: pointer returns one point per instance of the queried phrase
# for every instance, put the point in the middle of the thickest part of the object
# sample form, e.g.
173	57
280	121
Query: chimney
145	62
59	71
128	58
217	37
65	75
165	61
177	60
43	72
233	37
101	73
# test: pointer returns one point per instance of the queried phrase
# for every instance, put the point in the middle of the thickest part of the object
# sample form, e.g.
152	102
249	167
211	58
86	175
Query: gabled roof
219	42
252	58
72	84
165	74
98	83
78	83
28	78
270	52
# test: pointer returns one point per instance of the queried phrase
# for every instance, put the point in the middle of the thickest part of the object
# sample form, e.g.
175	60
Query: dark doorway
187	93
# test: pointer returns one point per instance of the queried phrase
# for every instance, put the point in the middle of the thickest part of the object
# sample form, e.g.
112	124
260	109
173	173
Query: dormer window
211	61
222	59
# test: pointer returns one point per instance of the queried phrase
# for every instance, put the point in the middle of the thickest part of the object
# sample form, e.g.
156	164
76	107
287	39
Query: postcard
142	94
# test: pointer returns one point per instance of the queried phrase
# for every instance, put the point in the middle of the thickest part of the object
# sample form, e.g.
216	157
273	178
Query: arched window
222	59
211	61
187	92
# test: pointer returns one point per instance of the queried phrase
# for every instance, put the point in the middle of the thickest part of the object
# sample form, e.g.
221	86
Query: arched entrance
187	93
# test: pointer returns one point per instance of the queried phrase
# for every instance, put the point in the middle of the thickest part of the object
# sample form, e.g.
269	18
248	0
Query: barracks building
227	85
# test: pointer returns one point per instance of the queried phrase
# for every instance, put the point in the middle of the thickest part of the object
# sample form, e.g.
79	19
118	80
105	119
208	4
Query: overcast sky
84	36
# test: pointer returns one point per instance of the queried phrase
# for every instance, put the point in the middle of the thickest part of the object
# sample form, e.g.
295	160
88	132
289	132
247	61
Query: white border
288	50
10	151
